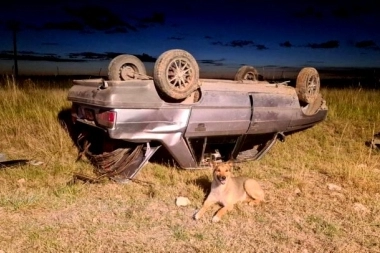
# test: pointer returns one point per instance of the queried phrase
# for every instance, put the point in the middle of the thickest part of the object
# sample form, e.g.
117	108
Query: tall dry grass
40	212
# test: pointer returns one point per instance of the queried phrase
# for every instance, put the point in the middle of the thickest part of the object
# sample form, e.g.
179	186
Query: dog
227	190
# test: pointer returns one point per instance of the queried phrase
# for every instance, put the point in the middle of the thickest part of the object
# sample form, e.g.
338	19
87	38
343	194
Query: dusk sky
81	37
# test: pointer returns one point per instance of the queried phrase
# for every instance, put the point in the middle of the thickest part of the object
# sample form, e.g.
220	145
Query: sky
81	37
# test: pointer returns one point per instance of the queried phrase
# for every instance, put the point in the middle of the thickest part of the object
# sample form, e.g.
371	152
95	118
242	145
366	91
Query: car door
220	113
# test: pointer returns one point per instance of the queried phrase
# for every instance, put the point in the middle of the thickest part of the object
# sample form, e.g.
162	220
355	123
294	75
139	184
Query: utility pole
15	51
14	26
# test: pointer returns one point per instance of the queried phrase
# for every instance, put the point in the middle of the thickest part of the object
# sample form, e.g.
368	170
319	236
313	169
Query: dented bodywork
225	119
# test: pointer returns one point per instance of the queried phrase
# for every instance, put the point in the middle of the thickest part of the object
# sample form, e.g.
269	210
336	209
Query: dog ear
230	163
213	164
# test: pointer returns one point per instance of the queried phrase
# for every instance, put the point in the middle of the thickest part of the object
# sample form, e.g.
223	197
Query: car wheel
314	107
246	73
125	67
308	85
176	74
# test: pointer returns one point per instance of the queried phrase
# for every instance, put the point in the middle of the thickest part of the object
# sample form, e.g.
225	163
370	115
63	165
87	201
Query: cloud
286	44
217	43
234	43
213	62
308	12
33	56
117	30
89	56
175	38
354	10
367	44
261	47
341	13
100	19
69	25
145	57
337	9
49	44
324	45
86	56
12	25
240	43
155	18
71	57
315	62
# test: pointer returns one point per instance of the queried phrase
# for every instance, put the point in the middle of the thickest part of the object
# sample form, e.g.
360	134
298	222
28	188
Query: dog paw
215	219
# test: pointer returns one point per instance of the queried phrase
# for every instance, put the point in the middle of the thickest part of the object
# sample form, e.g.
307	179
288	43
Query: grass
41	212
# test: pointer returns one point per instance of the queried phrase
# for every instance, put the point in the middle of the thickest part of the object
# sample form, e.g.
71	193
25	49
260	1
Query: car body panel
220	113
230	117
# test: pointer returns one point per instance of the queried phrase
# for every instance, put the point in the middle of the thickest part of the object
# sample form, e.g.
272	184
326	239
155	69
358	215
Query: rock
182	201
361	208
338	195
35	162
334	187
3	157
290	199
21	182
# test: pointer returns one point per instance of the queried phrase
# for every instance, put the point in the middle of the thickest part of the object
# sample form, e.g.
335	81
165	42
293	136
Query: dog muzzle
221	179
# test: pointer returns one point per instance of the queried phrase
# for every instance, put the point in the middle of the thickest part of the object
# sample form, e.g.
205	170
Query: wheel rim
250	76
180	74
127	72
312	86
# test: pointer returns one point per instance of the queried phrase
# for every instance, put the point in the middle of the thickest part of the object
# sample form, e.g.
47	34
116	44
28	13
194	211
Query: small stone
361	208
290	199
21	182
35	162
334	187
338	195
3	158
182	201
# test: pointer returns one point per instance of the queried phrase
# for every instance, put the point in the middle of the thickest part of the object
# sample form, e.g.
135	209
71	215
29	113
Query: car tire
126	67
246	73
176	74
308	85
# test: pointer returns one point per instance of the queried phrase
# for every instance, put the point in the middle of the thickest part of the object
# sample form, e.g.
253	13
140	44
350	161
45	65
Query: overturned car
124	119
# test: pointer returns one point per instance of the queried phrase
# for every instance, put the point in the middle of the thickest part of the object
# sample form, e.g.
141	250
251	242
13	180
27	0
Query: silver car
120	122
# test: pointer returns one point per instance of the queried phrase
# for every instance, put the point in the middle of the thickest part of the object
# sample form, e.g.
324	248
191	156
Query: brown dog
227	191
